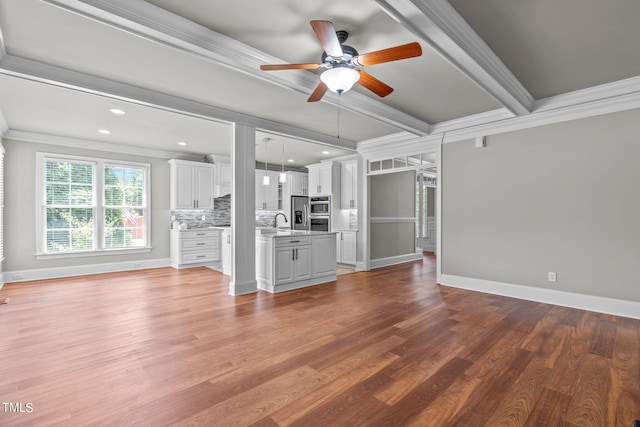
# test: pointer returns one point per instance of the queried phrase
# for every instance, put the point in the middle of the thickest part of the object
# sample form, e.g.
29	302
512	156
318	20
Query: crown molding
470	121
596	101
589	95
86	144
375	144
50	74
154	23
605	99
439	25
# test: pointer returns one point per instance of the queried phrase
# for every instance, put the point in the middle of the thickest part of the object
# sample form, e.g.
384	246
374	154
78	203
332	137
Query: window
92	205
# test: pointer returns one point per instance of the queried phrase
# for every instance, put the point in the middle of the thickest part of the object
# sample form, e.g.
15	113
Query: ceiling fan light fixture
340	79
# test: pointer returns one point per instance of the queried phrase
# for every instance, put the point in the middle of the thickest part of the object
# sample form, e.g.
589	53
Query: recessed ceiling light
104	131
325	152
290	160
182	143
117	111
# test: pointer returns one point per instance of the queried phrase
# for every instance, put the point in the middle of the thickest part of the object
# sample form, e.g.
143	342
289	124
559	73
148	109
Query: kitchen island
292	259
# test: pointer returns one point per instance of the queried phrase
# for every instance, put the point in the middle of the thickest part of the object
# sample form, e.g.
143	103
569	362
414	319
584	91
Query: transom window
92	205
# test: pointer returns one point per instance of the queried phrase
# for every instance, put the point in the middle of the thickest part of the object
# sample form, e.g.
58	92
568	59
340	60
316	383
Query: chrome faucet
275	219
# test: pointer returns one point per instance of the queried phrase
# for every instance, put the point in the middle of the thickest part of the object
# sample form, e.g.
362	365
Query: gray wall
393	195
20	207
563	198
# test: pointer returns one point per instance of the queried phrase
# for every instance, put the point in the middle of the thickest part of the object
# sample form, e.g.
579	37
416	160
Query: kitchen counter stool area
292	260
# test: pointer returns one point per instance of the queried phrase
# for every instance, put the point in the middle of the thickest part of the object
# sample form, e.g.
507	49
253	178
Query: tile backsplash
265	218
220	216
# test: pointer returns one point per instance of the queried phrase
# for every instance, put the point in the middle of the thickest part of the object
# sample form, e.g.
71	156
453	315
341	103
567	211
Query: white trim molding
391	220
393	260
81	270
613	97
441	26
65	141
154	23
598	304
65	78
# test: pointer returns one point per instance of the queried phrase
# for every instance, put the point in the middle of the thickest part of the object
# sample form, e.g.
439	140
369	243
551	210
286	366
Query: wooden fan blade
328	39
318	93
275	67
374	85
404	51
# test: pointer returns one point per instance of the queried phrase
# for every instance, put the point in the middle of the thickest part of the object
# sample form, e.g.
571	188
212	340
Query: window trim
98	206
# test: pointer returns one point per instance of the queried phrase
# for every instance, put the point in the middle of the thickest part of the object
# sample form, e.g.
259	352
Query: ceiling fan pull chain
339	108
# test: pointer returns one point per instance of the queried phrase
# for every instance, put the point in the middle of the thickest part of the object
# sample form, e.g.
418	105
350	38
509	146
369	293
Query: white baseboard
360	266
384	262
80	270
248	287
550	296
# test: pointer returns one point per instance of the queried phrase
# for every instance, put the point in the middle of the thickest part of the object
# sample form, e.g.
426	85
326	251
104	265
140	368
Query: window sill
104	252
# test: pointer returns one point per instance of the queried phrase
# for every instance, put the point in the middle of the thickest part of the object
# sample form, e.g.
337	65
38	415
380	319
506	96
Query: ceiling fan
343	63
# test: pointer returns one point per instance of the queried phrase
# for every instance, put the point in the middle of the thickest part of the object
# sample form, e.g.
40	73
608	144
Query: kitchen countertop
289	233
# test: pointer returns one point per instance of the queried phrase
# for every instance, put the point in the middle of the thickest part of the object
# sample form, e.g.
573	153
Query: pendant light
283	176
265	179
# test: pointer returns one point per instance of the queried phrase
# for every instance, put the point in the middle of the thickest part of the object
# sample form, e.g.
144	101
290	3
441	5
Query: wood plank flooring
385	348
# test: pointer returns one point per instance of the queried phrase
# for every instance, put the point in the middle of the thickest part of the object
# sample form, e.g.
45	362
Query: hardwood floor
385	348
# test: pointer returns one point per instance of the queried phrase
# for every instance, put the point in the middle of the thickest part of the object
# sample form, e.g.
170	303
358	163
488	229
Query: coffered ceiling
184	71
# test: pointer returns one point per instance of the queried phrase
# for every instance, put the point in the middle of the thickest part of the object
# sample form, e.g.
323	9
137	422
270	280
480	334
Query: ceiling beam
441	26
159	25
62	77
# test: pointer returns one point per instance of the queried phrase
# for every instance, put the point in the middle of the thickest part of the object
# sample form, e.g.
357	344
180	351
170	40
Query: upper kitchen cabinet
324	179
297	184
349	185
267	195
222	180
192	185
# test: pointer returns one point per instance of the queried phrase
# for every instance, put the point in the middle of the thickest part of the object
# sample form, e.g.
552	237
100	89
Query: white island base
287	260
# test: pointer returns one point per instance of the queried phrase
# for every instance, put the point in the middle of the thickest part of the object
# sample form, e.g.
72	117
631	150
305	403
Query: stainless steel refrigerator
299	213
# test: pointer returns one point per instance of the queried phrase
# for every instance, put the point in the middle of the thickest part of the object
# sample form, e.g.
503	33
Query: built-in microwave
320	205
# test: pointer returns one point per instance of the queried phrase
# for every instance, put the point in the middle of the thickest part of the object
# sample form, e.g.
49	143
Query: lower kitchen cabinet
191	248
285	262
225	244
292	263
346	245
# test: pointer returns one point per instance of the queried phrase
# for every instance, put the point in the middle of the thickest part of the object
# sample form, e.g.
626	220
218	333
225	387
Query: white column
243	218
364	216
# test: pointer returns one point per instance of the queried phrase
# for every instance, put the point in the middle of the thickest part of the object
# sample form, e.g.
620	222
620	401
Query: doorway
426	212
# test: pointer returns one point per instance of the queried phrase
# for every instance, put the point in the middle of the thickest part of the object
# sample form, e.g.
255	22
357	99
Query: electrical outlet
204	217
551	276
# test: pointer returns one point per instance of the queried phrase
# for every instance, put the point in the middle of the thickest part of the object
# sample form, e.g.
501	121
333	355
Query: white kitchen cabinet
222	179
225	244
191	185
324	260
324	179
297	184
346	246
291	261
348	185
267	195
190	248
